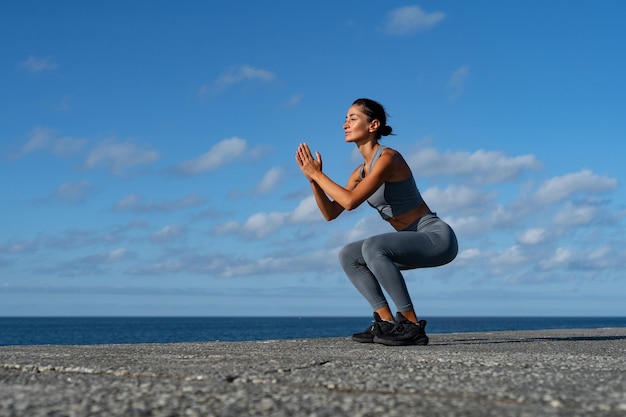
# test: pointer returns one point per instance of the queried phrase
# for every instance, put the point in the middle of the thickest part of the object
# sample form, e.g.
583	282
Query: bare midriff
402	221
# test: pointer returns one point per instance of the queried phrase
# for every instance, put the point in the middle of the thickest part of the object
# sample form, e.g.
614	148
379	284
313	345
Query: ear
374	125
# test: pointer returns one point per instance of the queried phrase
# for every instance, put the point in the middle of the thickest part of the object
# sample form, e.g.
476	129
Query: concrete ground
526	373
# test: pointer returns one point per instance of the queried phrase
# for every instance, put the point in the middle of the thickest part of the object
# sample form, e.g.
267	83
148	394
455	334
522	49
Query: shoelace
397	328
400	327
376	327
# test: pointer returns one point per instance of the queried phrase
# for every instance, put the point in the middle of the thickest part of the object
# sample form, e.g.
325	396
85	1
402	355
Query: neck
368	149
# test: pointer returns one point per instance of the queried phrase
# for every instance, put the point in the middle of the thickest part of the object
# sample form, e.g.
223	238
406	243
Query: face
356	127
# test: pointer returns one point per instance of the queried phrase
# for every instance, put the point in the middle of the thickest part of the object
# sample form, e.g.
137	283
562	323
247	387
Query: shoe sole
422	341
356	339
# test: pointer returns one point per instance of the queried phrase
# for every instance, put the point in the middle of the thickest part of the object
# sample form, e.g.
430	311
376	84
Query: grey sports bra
393	198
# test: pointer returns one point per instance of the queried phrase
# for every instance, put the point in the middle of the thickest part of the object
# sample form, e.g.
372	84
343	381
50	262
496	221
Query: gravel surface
529	373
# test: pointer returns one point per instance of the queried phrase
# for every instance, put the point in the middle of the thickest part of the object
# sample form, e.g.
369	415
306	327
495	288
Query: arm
357	190
330	209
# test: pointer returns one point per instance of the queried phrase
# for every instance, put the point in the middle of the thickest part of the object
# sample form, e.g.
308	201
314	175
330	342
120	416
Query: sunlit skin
332	199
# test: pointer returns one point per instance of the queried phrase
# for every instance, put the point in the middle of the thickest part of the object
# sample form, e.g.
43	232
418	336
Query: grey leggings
376	262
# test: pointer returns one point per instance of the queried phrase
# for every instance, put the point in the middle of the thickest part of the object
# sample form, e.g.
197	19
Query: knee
348	255
371	249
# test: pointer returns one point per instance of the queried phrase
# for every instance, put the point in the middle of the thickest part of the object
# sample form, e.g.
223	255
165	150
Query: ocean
132	330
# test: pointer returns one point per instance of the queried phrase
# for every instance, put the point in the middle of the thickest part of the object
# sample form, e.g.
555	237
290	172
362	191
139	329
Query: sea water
115	330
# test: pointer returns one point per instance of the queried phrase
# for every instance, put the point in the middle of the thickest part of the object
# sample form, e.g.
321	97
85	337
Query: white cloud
260	225
363	228
560	257
576	214
260	266
508	258
510	215
469	225
226	228
236	265
457	197
599	255
322	261
25	246
73	192
456	83
306	212
257	226
482	220
481	166
43	139
470	254
235	76
73	238
118	157
116	254
270	180
532	236
168	233
65	104
222	153
135	203
112	256
410	19
86	265
34	64
585	181
40	138
67	146
473	213
130	202
601	258
294	100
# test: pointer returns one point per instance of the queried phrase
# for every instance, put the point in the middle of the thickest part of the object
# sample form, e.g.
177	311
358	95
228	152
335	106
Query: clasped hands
309	165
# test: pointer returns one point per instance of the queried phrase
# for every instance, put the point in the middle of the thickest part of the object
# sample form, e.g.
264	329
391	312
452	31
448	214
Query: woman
421	239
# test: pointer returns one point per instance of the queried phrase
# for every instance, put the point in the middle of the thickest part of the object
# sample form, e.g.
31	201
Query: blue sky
147	153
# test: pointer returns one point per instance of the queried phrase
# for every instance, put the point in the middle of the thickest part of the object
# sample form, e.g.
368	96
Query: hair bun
386	130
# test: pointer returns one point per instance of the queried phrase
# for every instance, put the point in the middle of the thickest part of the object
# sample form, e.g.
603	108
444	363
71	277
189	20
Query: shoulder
391	155
396	166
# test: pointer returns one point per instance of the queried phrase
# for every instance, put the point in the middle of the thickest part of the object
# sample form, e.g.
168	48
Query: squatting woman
374	264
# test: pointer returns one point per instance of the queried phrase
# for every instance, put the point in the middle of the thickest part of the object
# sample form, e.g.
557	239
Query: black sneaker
378	328
404	333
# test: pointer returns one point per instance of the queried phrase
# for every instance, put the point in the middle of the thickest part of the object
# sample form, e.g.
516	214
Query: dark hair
375	111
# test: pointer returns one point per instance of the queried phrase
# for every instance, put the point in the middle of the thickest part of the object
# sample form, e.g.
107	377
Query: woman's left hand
308	165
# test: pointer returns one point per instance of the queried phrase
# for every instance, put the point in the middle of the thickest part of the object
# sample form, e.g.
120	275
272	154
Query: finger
302	155
305	153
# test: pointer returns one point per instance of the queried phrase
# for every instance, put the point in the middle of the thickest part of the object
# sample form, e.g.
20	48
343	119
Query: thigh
410	250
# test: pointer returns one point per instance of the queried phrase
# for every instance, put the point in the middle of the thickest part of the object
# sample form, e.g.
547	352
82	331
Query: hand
307	164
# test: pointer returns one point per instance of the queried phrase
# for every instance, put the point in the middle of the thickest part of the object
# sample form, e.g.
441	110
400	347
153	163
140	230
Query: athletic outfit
374	264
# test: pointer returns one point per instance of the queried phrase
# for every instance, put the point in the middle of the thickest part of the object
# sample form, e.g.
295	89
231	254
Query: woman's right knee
350	253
